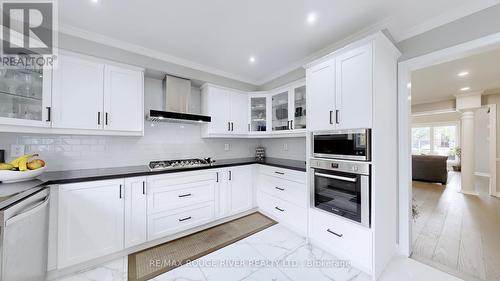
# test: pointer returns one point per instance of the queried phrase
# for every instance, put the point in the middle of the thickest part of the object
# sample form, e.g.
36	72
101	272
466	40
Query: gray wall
83	46
474	26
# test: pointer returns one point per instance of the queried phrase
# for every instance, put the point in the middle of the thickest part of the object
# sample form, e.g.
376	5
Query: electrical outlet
16	150
285	146
227	147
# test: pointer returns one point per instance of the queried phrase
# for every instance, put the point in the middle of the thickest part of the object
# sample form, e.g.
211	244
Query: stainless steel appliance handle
335	177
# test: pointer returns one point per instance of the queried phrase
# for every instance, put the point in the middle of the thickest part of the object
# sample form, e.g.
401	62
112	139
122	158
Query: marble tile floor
272	254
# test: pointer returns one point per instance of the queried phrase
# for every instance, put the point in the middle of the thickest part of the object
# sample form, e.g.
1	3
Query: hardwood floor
457	233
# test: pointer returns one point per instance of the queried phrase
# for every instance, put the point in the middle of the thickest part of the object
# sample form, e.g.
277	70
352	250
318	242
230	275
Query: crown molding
120	44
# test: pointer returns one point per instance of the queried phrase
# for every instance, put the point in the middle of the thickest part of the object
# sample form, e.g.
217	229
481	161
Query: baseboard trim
479	174
469	192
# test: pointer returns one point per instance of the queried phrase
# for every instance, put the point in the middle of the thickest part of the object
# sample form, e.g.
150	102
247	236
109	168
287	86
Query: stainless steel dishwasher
24	238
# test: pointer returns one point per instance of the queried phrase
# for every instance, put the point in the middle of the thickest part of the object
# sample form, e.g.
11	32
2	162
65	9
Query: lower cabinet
342	238
283	199
90	221
235	189
179	201
135	211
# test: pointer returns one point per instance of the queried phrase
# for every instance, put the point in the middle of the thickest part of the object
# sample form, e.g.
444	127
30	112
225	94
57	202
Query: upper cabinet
258	113
280	109
280	112
340	90
81	95
123	96
77	95
25	97
227	109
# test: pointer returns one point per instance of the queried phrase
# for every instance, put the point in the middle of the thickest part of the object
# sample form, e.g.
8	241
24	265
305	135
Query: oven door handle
336	177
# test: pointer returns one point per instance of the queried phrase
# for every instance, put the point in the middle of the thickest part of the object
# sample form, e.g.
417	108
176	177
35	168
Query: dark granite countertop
13	192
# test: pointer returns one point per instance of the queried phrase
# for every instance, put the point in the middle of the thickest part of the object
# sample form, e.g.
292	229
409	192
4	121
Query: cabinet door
77	95
123	99
135	211
25	97
354	89
298	107
279	107
258	114
320	81
218	103
239	118
90	221
240	189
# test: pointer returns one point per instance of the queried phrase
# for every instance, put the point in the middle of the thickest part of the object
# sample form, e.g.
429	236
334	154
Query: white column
468	157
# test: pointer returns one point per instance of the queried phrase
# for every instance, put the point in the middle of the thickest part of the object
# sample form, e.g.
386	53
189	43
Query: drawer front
341	237
172	197
284	212
166	223
290	191
178	178
292	175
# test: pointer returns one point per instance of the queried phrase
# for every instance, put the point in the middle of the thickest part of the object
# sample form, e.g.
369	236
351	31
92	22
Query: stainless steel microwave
352	144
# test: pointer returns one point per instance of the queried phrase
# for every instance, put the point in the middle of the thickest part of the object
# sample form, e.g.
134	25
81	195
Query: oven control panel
356	167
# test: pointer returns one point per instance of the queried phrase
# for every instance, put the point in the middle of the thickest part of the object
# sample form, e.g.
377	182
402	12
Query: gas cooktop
179	164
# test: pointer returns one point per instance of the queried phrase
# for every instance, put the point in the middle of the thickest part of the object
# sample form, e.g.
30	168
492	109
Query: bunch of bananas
22	164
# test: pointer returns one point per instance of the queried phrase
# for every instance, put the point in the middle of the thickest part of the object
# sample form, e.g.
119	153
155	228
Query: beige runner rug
154	261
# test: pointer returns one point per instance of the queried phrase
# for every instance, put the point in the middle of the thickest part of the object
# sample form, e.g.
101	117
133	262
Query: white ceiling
219	36
441	81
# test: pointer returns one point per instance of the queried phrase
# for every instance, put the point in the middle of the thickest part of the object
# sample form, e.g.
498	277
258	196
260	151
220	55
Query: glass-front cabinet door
258	114
299	107
25	96
279	107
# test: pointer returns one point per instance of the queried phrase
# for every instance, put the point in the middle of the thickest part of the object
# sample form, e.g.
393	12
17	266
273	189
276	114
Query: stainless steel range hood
177	92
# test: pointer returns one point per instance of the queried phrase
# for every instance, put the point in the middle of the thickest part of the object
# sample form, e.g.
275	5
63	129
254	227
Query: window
439	139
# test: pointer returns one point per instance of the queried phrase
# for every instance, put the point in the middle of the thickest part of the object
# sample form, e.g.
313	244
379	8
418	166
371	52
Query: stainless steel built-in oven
342	188
343	144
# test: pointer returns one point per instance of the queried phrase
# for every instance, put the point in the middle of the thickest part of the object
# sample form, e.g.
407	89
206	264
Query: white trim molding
479	174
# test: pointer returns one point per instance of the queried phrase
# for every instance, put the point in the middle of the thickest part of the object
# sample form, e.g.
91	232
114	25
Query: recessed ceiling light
408	85
463	73
252	59
94	1
464	89
311	18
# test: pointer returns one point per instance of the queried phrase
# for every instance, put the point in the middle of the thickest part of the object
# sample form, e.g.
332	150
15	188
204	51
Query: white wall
161	141
481	142
295	150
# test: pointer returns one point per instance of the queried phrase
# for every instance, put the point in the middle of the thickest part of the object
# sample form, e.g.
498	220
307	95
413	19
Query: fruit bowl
16	176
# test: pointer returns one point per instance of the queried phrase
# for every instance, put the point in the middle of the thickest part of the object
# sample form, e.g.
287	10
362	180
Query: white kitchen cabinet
354	88
320	80
135	211
239	118
298	103
179	201
123	99
90	221
235	190
258	113
280	108
25	97
228	109
77	94
340	91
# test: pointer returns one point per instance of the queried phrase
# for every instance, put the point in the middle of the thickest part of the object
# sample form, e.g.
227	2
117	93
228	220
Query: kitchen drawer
342	238
181	177
287	174
284	212
169	222
290	191
170	197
